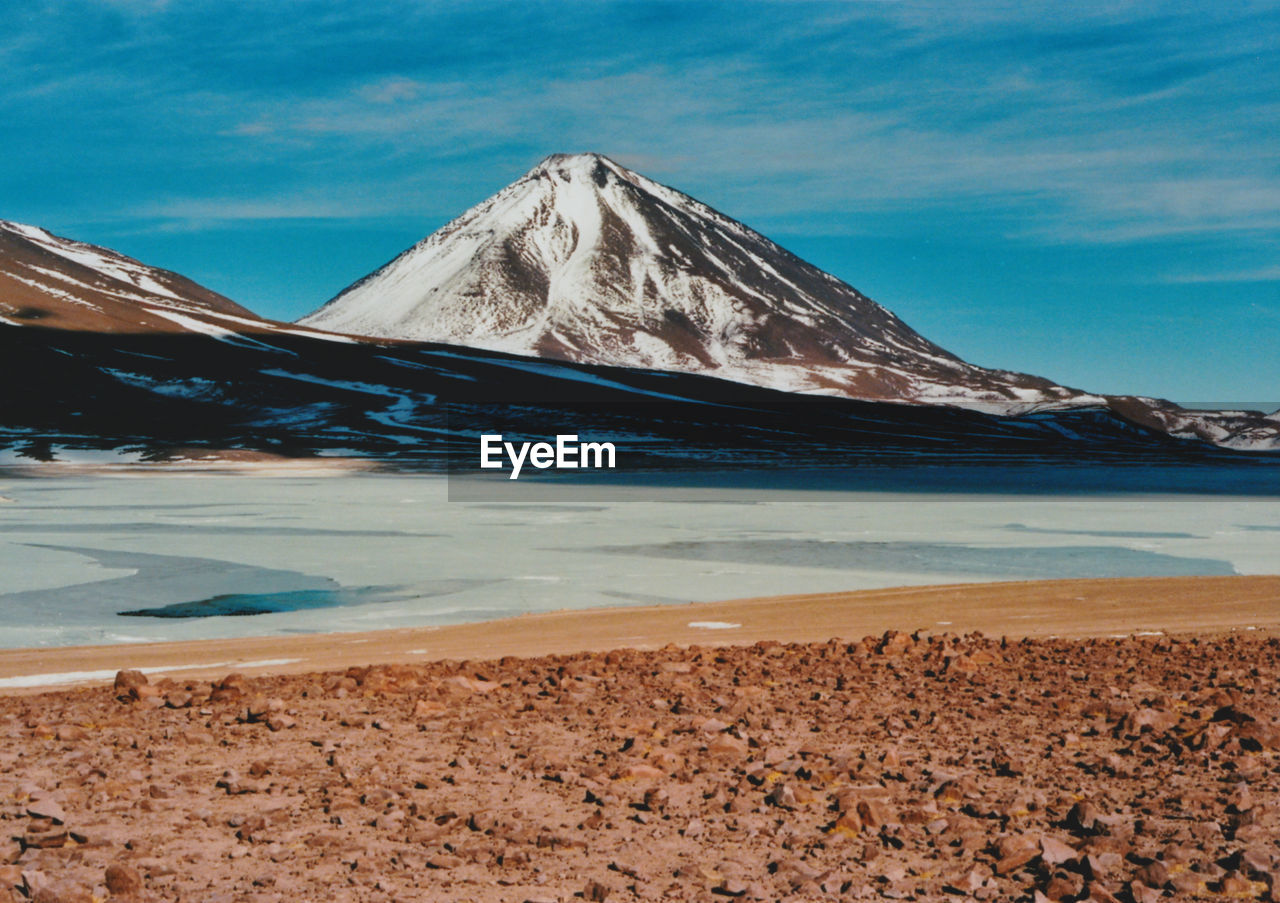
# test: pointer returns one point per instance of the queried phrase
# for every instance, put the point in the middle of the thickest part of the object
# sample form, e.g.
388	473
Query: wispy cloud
1102	123
391	90
1260	274
205	211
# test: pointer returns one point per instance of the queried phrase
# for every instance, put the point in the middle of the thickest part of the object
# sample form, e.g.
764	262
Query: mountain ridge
583	260
72	284
252	371
53	282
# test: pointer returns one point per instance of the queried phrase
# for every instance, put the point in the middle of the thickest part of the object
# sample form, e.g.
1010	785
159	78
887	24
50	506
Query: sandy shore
1064	608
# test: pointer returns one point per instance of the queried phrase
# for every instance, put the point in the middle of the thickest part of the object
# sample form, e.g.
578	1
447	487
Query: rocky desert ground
920	767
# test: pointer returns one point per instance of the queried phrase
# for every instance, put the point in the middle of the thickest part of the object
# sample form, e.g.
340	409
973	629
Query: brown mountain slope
55	282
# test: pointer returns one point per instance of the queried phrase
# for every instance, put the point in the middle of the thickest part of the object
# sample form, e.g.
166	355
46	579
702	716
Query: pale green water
362	552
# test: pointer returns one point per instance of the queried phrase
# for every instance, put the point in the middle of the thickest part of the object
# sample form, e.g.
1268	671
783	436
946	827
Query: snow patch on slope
114	266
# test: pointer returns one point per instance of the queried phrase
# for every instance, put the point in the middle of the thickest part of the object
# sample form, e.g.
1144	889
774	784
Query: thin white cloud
391	90
1101	122
205	211
251	129
1258	274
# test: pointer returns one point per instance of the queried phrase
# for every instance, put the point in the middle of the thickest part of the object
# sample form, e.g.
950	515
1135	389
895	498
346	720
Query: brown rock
1143	894
1153	874
1007	766
147	693
895	642
425	709
701	873
1099	865
1241	799
970	882
41	888
1011	863
730	887
1055	852
1083	818
848	824
595	892
727	746
499	784
280	722
1016	843
640	771
1256	736
1097	893
782	796
1256	861
47	807
1235	884
123	880
656	799
70	733
45	839
1063	887
1149	720
231	687
128	681
1187	883
874	814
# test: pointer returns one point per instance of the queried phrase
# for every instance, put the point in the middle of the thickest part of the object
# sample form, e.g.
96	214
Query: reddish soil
931	768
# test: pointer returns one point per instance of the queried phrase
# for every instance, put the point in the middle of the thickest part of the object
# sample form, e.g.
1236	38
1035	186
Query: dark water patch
1120	534
156	580
243	604
175	586
247	604
1054	562
1261	527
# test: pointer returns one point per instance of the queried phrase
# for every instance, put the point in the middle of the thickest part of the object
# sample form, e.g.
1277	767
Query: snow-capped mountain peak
582	259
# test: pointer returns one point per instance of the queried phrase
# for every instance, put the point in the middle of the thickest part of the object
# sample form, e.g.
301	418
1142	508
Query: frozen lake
201	556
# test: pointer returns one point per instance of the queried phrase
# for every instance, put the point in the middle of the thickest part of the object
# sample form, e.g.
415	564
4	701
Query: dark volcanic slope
414	404
930	768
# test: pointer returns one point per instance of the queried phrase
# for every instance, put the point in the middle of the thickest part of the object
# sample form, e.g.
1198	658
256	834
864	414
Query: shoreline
1076	608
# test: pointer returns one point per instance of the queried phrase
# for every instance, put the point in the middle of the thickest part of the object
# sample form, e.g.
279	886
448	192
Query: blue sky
1086	191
